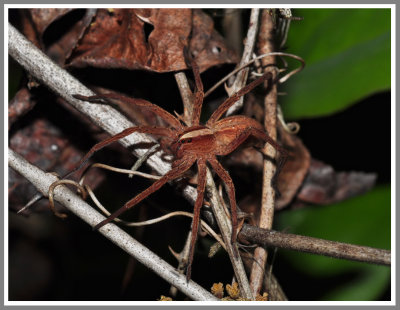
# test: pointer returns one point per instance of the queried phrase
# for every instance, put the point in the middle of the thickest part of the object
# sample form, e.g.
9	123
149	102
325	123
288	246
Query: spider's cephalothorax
197	143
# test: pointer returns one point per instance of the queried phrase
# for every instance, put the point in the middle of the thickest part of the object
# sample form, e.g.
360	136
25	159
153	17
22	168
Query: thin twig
255	59
119	170
164	217
241	78
225	226
182	258
143	158
51	194
31	202
268	192
42	181
292	127
86	189
187	101
265	237
186	95
218	209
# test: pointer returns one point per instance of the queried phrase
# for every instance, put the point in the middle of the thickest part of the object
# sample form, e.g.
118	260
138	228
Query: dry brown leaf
21	104
207	45
42	144
42	18
295	170
36	22
324	185
151	39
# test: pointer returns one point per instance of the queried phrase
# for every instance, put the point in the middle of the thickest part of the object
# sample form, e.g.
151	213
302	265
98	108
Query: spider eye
183	141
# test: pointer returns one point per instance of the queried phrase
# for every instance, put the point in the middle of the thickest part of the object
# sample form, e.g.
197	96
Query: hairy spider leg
230	189
179	169
198	95
161	131
260	134
165	115
201	184
253	129
235	97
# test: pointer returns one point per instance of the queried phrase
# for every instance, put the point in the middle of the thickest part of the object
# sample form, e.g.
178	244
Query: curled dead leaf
151	39
42	18
63	37
295	170
21	104
324	185
207	45
44	145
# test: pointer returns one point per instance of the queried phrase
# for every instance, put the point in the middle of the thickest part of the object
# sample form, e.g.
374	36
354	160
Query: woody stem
268	193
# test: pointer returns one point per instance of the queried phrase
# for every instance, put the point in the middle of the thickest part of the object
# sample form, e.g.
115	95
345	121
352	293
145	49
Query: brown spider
190	144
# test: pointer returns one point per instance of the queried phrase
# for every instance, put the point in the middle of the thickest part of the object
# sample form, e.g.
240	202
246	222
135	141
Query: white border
393	153
5	154
202	6
253	303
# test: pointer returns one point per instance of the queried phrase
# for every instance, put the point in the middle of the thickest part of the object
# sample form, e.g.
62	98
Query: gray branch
317	246
65	85
249	42
80	208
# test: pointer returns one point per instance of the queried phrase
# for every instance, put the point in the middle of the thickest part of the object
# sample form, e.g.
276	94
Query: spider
200	144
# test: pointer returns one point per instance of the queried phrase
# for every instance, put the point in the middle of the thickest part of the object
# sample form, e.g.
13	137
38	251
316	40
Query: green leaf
347	54
367	286
364	220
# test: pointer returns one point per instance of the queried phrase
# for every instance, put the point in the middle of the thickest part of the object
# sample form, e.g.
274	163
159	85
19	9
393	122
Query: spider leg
257	133
260	134
166	116
201	164
166	132
181	167
230	188
235	97
199	94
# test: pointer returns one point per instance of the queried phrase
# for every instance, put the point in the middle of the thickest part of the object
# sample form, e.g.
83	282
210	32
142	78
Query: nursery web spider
193	144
